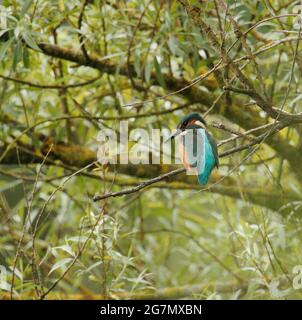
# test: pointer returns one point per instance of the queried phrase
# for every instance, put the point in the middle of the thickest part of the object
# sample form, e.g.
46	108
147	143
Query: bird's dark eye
185	124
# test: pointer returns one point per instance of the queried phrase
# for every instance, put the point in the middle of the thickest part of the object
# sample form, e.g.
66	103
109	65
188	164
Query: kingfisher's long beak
174	134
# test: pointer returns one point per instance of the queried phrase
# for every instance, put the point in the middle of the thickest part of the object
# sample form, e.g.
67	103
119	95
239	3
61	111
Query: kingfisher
197	147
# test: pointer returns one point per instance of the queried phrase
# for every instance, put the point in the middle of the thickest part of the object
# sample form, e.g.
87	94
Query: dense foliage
69	69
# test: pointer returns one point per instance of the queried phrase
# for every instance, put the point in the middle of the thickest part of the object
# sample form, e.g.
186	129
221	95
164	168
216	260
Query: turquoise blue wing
210	159
214	148
193	142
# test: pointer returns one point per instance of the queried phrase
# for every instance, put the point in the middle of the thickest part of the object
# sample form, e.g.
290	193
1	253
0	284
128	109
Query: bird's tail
203	178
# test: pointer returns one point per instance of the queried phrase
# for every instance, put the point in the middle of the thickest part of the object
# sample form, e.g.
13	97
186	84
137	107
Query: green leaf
4	48
25	57
67	248
25	7
5	286
148	70
174	47
137	66
17	54
172	43
10	185
30	41
158	73
98	263
2	32
59	264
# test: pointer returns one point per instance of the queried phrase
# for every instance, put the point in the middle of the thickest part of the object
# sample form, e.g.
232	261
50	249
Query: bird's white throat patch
199	123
